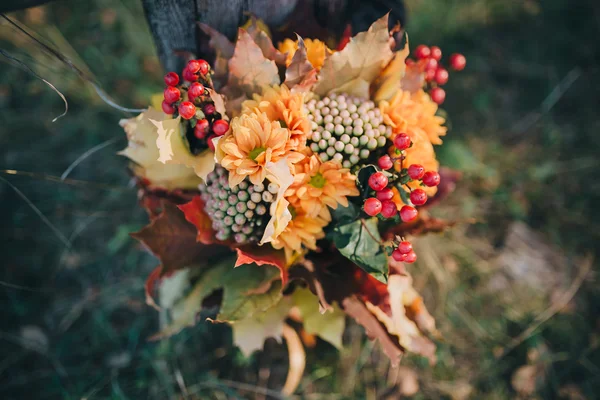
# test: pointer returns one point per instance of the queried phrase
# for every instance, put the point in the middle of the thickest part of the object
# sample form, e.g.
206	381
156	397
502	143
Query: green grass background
524	131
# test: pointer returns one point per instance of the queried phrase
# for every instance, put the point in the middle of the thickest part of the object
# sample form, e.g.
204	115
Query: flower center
318	181
256	152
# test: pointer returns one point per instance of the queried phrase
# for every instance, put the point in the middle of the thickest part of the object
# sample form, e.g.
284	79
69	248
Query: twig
552	310
86	155
44	219
549	102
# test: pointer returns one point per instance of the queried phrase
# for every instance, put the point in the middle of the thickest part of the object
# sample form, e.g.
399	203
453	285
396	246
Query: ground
512	286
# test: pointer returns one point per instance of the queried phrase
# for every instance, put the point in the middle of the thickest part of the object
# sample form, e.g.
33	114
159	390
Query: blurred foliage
524	132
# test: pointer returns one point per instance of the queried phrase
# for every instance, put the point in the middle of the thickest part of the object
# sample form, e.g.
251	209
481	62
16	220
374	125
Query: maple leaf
258	31
328	326
354	68
173	148
150	286
300	71
172	239
195	214
249	334
374	328
249	69
409	335
142	150
263	255
236	303
387	84
280	174
219	103
223	50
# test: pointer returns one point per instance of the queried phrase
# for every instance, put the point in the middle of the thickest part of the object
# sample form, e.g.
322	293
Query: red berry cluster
190	99
380	182
403	251
429	58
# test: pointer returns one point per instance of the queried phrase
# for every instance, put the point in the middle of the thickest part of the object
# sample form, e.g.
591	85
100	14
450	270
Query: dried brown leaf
300	69
249	70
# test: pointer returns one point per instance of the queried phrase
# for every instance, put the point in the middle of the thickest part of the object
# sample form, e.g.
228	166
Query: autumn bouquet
284	184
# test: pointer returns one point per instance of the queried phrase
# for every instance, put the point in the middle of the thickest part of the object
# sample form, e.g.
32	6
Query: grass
524	132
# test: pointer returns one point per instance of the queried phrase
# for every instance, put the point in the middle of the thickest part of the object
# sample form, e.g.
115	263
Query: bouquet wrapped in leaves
285	182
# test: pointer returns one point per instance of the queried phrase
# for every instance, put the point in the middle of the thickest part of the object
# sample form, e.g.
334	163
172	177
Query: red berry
189	75
187	110
378	181
201	128
220	127
441	76
409	62
402	141
458	62
405	247
431	178
193	66
436	53
167	107
385	194
209	109
429	75
388	209
398	256
418	197
422	52
204	67
416	171
431	64
438	95
385	162
171	94
210	142
171	79
408	213
372	206
411	257
196	89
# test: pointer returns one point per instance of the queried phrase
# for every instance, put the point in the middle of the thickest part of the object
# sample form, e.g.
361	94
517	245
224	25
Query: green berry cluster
346	128
241	213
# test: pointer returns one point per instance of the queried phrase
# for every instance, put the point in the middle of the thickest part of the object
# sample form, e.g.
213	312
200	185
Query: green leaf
404	195
345	215
246	290
360	242
328	326
249	334
363	178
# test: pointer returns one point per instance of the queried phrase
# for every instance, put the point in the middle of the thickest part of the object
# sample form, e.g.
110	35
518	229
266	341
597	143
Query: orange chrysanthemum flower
302	232
316	51
319	185
250	145
280	104
414	112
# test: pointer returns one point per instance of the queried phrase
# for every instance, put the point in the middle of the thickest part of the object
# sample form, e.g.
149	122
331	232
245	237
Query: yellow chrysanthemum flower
300	233
280	104
412	112
319	185
316	51
253	141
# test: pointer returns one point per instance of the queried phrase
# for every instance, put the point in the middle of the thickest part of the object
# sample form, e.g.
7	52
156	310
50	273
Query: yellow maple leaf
388	82
174	150
143	151
354	68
